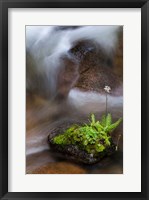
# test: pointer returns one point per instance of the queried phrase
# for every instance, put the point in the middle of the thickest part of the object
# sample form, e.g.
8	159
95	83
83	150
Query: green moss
93	137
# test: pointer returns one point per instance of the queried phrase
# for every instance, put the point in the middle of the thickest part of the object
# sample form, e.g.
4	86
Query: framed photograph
74	93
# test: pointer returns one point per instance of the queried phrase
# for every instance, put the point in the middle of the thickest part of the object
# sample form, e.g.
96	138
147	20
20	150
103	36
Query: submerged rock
73	152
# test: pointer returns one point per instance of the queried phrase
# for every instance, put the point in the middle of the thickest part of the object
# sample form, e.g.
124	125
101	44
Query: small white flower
107	89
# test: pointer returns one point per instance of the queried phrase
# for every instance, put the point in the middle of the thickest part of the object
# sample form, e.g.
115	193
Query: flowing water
55	66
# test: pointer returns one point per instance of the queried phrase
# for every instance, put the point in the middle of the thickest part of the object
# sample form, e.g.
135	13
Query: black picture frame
4	6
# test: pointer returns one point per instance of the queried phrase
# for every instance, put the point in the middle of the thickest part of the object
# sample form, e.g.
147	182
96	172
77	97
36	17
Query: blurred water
47	45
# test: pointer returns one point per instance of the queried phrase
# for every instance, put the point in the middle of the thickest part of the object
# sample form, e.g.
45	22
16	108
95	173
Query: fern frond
98	126
103	120
108	119
114	125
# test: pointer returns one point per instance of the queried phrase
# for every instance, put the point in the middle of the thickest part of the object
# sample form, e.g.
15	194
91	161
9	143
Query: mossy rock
74	152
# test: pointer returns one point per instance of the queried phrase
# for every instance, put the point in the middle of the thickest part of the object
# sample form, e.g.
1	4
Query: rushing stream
67	69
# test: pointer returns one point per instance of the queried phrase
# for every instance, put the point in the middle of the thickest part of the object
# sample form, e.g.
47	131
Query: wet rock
73	152
89	68
98	68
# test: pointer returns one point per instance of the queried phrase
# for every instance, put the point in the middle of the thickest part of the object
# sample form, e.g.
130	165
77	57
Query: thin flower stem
106	104
107	90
